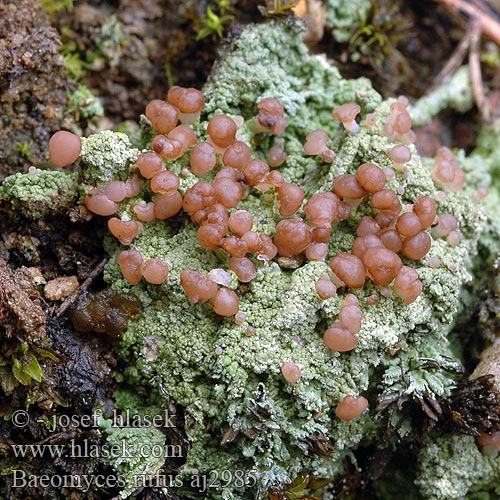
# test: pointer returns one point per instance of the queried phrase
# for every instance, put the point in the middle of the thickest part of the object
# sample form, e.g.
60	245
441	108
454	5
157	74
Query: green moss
52	7
24	148
212	23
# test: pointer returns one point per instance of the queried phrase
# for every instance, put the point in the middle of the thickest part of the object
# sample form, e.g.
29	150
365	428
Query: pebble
60	288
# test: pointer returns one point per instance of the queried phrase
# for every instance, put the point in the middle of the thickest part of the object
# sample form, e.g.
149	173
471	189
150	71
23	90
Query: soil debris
21	312
34	87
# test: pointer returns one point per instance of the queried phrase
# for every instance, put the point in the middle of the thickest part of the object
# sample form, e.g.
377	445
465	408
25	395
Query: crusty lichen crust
454	467
344	16
106	156
40	192
229	380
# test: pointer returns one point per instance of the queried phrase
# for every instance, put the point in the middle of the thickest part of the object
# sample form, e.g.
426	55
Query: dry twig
455	61
489	26
475	72
483	21
72	298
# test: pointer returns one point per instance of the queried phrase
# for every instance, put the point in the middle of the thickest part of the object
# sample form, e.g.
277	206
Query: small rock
36	276
60	288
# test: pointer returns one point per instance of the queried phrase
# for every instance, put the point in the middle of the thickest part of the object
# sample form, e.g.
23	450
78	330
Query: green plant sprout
107	47
74	65
24	148
381	28
213	23
51	7
277	7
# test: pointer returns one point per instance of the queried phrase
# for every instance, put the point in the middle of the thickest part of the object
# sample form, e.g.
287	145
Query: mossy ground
138	68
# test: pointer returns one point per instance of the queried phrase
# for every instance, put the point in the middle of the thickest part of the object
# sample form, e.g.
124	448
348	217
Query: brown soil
34	87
